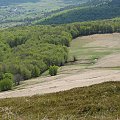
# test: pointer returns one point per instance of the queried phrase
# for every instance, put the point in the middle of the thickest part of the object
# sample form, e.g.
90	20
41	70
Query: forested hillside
92	10
27	52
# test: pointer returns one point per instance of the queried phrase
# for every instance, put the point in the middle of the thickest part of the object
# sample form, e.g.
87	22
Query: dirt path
79	80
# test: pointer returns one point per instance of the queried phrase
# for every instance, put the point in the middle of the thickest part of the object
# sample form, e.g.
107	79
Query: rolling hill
92	10
19	12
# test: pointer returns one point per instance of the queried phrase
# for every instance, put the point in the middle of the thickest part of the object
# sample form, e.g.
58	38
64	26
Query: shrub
35	72
25	73
8	76
53	70
6	84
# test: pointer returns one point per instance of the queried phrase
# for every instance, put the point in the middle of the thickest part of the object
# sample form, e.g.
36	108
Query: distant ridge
92	10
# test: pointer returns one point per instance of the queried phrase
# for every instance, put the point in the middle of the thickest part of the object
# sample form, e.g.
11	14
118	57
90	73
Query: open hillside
92	10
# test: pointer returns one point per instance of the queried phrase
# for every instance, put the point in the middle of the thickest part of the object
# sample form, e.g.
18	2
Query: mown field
97	102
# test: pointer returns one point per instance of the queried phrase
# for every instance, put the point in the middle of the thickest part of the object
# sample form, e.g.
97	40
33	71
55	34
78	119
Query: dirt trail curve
60	84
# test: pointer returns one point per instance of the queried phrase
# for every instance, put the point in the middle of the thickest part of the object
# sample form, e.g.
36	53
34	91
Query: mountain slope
94	10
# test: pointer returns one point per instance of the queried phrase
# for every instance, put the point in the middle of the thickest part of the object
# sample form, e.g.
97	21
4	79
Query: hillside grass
97	102
82	51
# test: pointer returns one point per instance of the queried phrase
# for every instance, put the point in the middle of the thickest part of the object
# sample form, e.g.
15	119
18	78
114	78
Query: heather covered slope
97	102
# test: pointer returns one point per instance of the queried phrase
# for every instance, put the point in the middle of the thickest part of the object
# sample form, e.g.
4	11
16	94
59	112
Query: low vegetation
97	102
6	82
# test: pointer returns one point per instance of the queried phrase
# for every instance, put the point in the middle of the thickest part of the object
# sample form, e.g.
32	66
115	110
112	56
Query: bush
6	84
8	76
35	72
53	70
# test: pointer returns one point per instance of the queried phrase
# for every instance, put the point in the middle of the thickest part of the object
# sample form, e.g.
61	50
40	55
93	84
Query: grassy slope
97	102
81	50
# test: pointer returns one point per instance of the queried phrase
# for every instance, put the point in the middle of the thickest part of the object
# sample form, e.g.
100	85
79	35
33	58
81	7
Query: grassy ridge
88	103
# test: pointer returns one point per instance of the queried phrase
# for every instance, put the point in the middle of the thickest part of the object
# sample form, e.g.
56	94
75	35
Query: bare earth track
55	85
101	71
